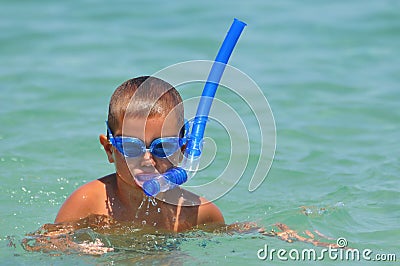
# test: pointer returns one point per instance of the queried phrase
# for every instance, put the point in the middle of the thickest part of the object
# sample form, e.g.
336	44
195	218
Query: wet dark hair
146	97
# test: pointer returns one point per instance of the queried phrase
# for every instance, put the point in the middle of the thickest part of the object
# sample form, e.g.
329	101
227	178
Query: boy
143	109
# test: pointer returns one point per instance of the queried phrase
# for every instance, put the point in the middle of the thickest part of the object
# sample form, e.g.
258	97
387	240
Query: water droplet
158	209
141	204
153	201
154	224
143	222
147	213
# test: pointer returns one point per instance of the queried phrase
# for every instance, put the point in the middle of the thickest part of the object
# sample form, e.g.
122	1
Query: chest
156	214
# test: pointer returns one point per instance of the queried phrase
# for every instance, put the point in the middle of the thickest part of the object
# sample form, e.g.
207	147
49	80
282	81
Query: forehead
150	128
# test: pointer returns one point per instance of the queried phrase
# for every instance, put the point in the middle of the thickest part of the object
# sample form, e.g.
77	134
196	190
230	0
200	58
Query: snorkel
194	141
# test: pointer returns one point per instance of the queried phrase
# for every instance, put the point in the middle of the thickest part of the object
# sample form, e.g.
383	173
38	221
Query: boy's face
147	130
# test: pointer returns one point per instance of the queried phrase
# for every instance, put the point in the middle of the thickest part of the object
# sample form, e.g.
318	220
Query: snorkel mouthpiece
173	177
191	159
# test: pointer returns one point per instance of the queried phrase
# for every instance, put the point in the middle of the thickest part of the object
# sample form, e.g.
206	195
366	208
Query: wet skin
118	196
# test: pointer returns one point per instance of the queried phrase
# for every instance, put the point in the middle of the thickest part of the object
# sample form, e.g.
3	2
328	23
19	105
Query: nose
148	159
147	154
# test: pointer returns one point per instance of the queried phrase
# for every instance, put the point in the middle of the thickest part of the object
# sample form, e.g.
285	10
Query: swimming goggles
132	147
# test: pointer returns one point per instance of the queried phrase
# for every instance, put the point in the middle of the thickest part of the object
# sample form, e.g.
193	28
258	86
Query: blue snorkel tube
191	159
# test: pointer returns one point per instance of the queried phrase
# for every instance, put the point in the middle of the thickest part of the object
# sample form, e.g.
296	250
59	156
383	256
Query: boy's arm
81	203
209	213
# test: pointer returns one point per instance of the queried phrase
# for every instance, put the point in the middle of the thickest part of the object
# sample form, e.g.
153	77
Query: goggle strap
110	135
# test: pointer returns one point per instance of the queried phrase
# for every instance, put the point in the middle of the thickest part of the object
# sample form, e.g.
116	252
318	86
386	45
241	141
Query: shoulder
209	213
88	199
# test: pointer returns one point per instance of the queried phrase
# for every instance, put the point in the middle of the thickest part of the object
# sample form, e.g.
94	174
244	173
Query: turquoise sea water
330	71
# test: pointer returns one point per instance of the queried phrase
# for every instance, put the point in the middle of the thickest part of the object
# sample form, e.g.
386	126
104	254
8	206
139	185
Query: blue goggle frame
132	147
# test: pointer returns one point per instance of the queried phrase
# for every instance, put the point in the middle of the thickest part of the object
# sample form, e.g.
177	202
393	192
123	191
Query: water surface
328	69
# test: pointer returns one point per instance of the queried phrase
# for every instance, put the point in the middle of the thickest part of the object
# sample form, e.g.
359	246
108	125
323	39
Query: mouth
142	170
142	177
146	172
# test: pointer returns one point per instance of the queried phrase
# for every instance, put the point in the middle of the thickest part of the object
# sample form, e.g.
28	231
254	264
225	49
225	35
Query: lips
140	178
146	171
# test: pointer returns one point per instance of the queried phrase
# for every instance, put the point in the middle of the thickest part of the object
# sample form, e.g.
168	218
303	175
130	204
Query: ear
107	147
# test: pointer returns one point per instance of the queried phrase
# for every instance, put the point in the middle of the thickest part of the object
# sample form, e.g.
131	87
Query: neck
130	194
